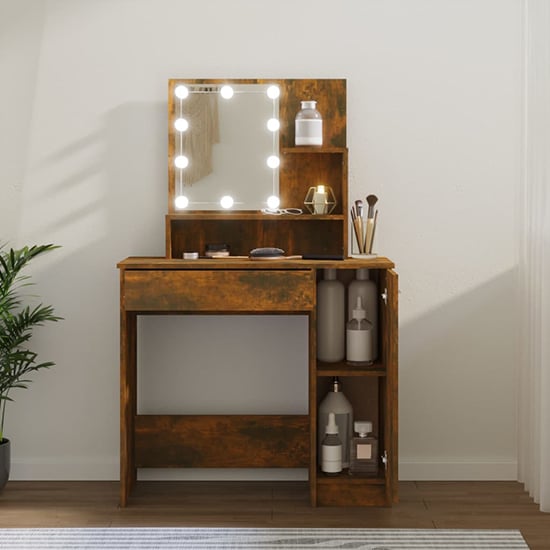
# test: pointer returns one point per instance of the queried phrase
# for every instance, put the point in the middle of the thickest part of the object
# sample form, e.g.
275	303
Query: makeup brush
369	230
356	228
359	222
371	201
375	219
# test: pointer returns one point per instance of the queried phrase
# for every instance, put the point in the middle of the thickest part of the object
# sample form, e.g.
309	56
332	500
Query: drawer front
218	291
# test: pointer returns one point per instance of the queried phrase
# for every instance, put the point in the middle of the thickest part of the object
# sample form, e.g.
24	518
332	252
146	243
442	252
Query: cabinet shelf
253	216
343	369
346	477
312	149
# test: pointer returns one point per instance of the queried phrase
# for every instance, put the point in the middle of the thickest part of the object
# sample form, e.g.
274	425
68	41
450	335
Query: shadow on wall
106	200
458	376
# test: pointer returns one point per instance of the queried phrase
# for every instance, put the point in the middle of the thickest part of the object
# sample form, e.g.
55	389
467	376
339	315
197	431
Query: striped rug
264	539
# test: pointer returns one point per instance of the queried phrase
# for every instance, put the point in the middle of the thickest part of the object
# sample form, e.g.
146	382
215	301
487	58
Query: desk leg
312	366
128	398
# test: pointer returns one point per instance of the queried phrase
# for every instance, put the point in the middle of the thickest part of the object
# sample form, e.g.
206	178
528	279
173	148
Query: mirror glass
226	146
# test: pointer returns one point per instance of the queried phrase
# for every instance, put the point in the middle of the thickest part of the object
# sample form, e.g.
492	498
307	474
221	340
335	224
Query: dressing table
239	285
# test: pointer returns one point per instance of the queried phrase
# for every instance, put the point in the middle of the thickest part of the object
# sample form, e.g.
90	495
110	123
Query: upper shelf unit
299	169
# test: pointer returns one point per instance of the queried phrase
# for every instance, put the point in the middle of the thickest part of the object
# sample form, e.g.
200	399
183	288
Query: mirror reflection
226	146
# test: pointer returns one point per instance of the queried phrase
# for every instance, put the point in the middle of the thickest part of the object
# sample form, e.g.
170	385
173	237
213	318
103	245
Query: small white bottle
359	348
365	287
331	448
309	125
336	402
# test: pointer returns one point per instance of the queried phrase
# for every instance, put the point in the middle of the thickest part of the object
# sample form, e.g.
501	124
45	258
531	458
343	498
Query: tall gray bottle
331	318
367	290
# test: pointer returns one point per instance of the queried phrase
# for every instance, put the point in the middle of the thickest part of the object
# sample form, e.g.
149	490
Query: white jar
309	125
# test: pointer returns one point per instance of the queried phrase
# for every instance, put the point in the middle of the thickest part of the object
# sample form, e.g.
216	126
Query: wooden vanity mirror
195	216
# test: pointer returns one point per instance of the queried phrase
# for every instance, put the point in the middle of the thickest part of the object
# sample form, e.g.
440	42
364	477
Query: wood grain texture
228	441
219	291
150	285
428	505
330	95
146	263
352	491
294	234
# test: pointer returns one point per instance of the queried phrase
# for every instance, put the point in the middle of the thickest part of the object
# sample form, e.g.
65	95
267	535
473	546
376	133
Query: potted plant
17	321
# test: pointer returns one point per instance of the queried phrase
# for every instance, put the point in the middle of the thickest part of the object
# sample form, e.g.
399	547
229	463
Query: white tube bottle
368	291
359	337
331	318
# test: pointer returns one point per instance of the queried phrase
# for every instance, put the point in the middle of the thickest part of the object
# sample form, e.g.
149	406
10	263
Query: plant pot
4	462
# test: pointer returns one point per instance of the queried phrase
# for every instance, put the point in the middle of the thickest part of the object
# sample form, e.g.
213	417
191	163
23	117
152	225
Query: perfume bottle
363	449
331	448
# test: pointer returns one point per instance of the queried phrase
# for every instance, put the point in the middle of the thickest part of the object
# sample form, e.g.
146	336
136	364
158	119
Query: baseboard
108	470
41	470
64	470
458	470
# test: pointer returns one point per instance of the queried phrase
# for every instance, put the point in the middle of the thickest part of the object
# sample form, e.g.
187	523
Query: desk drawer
218	291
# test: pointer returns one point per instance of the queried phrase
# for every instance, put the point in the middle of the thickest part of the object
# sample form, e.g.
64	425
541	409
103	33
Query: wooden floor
439	505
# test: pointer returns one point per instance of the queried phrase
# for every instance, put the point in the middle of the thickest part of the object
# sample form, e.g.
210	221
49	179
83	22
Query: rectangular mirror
223	144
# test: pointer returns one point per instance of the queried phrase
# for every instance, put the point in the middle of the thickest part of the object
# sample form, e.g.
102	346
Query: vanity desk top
139	262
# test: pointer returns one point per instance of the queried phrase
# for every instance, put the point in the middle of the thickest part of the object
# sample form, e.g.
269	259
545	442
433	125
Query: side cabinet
372	391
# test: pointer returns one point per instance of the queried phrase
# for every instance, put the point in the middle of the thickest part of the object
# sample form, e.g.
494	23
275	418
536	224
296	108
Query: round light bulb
226	92
273	202
273	124
273	92
181	161
181	125
226	201
181	91
273	161
181	202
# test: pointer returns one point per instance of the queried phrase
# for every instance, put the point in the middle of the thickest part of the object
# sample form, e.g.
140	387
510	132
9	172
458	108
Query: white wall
434	129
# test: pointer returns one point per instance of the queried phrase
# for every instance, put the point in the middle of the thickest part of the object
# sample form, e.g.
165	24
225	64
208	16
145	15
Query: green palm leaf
17	322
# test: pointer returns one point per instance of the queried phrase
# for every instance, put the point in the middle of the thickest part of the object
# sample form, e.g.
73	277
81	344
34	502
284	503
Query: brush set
364	227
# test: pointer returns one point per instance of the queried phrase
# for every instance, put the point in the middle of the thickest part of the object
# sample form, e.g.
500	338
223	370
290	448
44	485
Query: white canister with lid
309	125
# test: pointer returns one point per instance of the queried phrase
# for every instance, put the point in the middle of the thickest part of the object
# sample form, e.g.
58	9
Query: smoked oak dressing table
232	286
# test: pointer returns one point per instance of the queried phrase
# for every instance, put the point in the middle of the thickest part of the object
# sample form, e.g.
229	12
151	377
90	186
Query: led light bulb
273	202
226	202
181	125
273	124
181	202
181	161
273	161
181	91
226	92
273	92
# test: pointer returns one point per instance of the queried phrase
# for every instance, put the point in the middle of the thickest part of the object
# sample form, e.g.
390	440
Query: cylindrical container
359	337
331	318
331	448
309	125
336	402
367	290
